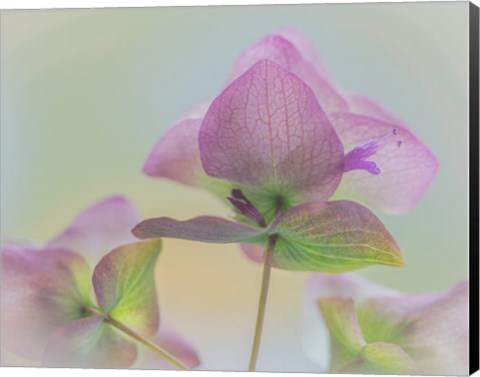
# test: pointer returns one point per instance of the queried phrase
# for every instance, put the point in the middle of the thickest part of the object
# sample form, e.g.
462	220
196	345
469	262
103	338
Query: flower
266	139
267	142
355	326
281	130
49	316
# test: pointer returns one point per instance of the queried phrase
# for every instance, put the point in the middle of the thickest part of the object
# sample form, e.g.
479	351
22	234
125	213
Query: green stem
146	342
262	303
139	338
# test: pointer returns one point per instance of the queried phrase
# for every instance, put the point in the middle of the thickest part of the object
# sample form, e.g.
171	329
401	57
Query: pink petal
406	171
41	290
252	251
280	50
176	155
315	335
172	342
267	130
203	229
89	343
99	228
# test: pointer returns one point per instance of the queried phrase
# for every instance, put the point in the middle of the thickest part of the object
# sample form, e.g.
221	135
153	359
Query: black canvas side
474	188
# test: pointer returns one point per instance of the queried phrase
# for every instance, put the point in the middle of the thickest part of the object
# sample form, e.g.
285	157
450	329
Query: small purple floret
356	158
246	208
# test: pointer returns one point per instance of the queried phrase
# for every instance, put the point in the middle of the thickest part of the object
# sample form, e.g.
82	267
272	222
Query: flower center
244	207
356	158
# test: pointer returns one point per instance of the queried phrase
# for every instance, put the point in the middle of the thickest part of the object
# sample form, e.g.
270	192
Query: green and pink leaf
332	237
124	284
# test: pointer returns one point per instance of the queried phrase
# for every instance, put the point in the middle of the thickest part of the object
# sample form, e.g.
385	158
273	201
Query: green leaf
345	334
89	343
388	357
125	288
332	237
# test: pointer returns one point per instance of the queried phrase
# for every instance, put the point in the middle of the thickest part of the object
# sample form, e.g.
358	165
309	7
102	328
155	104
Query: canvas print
247	188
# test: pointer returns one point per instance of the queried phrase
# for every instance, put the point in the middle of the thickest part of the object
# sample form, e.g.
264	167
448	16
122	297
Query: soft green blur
85	94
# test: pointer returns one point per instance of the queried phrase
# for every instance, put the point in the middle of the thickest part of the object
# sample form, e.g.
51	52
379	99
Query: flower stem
146	342
139	338
262	304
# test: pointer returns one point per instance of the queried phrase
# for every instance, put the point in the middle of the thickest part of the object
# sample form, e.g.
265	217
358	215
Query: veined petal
172	342
204	229
41	290
176	155
125	286
99	228
316	338
332	237
280	49
406	171
89	343
267	131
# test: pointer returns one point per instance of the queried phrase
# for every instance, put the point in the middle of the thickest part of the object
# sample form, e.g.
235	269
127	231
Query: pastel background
85	94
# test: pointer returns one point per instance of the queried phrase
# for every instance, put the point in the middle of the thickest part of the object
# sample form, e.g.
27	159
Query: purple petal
315	335
267	130
405	172
125	286
172	342
41	290
203	229
252	251
99	228
280	50
89	343
176	155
